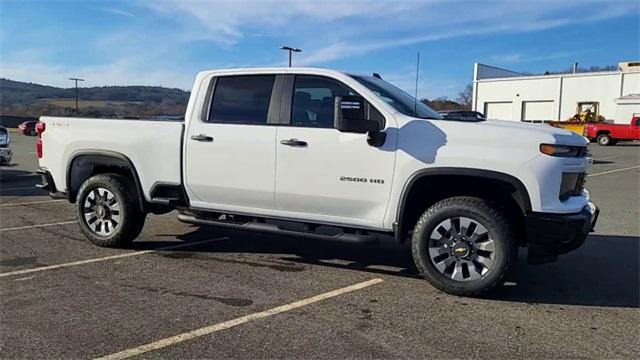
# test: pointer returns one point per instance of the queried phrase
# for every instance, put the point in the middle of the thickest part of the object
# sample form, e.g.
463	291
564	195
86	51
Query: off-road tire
132	218
482	212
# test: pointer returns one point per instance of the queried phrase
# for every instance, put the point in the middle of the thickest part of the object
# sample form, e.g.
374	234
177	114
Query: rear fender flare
87	159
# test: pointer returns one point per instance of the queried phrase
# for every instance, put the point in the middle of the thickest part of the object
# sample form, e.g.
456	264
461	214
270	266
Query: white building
508	95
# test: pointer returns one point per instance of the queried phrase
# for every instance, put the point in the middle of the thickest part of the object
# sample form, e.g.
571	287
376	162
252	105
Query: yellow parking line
235	322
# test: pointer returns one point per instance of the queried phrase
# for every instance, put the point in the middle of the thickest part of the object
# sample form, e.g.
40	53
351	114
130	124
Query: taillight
40	128
39	148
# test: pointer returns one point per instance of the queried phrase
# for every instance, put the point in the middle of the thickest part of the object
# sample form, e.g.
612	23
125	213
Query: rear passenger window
313	101
241	99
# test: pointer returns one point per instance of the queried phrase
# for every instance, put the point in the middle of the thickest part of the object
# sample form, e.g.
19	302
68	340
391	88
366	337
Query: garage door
499	110
537	111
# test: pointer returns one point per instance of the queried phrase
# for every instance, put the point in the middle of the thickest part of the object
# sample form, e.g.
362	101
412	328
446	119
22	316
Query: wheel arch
84	164
453	181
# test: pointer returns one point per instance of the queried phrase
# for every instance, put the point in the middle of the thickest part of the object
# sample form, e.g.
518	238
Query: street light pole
76	80
290	50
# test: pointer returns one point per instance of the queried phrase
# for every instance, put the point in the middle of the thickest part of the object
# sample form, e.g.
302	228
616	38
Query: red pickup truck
609	134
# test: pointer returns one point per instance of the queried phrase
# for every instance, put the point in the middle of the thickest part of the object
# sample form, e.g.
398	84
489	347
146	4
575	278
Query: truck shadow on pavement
14	182
604	272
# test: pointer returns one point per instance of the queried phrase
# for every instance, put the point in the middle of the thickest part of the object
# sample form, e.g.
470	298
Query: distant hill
28	99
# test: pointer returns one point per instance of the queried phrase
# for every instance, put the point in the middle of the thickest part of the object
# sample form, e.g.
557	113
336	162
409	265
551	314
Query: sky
166	42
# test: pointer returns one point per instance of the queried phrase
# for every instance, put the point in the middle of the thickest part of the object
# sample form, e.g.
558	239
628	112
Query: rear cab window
242	99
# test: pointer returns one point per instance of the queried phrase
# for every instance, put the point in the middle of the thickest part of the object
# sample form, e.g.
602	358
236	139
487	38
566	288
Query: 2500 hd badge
361	180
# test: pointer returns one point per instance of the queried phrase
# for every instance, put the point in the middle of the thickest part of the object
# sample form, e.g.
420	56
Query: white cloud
227	21
335	29
115	11
142	52
516	58
121	72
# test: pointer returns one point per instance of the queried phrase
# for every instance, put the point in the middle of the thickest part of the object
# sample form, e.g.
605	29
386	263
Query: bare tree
465	97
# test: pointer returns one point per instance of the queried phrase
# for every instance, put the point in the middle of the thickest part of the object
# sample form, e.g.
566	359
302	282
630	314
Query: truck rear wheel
108	211
463	246
604	140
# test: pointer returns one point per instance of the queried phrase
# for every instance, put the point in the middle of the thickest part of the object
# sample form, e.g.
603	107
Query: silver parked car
5	150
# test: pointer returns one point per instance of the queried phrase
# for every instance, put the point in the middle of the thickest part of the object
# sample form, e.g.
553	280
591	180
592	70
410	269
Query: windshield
397	98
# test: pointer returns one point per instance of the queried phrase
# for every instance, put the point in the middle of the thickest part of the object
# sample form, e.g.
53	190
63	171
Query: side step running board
167	201
360	239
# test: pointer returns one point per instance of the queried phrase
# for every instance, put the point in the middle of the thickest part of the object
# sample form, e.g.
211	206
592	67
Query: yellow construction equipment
586	112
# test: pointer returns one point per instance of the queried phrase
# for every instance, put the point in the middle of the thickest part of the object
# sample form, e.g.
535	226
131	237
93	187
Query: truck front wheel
463	245
107	210
604	140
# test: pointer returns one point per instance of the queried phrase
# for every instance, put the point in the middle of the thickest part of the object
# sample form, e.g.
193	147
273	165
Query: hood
507	132
561	136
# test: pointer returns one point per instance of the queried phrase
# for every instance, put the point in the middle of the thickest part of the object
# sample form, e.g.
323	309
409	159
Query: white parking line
39	226
605	158
613	171
235	322
106	258
30	203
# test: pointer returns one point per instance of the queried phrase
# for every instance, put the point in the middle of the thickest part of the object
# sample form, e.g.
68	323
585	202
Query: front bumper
550	235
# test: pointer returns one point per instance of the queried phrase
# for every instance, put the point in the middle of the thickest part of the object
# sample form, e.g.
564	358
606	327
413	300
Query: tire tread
473	205
133	219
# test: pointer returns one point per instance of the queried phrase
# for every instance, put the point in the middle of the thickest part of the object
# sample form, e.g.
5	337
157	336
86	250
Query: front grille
572	185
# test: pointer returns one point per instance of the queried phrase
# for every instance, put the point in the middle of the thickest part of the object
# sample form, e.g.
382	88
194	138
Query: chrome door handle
294	143
202	137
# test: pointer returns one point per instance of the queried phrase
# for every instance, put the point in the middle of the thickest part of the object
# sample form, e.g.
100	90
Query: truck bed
154	147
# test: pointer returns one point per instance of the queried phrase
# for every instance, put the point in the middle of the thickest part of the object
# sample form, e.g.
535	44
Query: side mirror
351	115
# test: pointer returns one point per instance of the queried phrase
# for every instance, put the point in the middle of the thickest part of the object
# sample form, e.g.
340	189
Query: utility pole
291	50
415	99
76	80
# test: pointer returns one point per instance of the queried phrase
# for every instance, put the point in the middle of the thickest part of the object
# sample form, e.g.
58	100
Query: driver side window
313	101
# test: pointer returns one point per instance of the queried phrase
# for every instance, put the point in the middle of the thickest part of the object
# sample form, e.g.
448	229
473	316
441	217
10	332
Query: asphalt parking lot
193	292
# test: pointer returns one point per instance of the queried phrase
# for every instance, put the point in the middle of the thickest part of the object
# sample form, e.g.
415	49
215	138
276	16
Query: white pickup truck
316	153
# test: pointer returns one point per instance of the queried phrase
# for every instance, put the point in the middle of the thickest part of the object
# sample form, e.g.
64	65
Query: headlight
563	150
